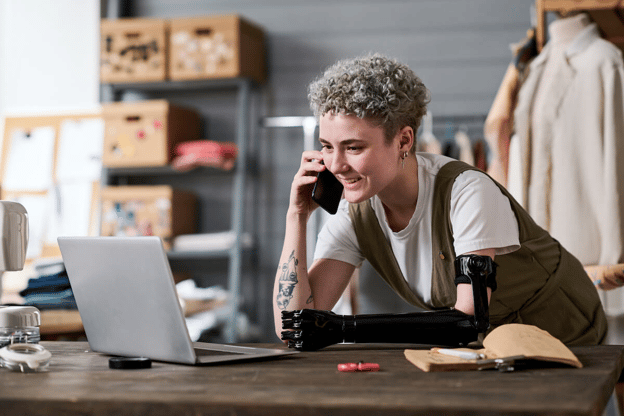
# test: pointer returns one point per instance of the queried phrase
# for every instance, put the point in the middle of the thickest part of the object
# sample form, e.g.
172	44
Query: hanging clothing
466	152
480	155
498	125
428	142
574	185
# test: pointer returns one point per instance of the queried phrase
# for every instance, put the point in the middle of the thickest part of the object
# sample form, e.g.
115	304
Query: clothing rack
445	127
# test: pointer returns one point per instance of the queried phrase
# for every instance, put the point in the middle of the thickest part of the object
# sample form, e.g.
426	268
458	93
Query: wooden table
80	382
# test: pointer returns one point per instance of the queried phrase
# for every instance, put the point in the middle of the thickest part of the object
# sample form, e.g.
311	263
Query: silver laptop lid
126	297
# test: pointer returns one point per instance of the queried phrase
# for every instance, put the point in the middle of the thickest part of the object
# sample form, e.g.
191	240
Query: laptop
129	306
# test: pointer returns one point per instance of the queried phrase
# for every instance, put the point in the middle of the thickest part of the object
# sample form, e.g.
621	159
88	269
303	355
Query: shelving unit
243	88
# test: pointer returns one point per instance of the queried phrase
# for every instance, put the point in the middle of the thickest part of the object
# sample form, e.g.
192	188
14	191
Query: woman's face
357	153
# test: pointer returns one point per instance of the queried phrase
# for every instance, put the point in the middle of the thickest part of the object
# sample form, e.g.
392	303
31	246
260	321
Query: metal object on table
505	364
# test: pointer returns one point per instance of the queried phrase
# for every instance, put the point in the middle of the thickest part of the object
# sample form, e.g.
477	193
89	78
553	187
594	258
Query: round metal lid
19	316
129	363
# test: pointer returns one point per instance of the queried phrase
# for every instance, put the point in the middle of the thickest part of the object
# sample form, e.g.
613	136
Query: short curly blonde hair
373	87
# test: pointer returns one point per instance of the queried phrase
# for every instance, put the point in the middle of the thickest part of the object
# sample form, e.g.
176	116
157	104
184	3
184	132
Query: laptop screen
129	305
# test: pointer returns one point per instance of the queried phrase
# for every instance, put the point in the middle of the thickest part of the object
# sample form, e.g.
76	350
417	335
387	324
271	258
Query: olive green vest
540	284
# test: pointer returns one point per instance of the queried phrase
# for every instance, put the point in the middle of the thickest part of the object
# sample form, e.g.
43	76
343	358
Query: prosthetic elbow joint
480	273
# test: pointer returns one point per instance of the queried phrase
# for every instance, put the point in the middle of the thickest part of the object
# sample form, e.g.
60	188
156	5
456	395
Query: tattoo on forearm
287	281
310	299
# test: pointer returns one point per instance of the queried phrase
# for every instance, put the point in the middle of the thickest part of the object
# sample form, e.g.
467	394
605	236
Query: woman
428	209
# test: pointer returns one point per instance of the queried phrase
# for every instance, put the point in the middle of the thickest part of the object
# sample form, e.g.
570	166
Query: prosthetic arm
310	329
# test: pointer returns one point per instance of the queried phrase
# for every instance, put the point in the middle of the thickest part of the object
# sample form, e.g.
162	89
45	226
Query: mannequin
562	32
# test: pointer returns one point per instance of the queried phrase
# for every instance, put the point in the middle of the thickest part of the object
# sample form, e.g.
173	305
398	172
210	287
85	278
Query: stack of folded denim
50	291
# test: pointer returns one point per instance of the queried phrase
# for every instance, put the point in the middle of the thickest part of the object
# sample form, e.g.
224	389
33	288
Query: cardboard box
133	50
144	134
148	210
216	47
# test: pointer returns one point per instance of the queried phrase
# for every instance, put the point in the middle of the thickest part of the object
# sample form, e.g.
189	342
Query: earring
403	160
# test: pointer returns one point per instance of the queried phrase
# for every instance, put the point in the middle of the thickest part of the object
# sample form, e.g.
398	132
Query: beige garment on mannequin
562	33
585	111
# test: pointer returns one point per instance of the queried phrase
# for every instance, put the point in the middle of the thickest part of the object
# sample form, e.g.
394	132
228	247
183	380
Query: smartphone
327	191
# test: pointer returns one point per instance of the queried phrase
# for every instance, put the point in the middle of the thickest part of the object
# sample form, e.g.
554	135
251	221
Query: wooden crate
148	210
144	134
133	50
216	47
576	5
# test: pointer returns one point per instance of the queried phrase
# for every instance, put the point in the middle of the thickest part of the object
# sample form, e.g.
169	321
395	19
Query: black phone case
327	191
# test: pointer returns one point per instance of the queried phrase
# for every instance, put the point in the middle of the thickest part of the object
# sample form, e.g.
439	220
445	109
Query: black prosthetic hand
310	329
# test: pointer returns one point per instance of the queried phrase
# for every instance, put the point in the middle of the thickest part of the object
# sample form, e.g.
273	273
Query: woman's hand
606	277
301	202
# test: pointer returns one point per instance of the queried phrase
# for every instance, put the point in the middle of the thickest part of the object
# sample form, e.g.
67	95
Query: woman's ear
406	139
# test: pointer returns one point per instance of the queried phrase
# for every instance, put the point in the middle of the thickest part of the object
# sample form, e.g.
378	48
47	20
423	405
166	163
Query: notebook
129	306
510	342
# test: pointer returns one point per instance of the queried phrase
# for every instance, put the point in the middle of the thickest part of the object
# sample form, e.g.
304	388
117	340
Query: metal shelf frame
243	87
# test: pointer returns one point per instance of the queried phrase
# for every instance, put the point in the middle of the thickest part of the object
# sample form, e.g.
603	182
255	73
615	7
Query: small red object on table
361	366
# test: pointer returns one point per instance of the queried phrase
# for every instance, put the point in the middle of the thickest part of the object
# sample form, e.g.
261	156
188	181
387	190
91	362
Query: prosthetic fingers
311	329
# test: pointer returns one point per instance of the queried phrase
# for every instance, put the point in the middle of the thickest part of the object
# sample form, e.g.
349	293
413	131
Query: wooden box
133	50
148	210
579	5
144	134
216	47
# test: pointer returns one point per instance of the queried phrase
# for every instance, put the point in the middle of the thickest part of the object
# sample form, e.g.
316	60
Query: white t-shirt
481	217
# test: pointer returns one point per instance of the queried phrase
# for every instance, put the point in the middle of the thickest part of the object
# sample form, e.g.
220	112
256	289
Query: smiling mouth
350	181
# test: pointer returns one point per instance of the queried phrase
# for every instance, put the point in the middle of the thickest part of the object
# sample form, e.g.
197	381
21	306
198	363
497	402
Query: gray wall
460	48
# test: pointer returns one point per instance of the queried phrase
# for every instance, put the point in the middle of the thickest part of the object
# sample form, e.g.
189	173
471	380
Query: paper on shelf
71	214
209	241
30	160
187	289
80	150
